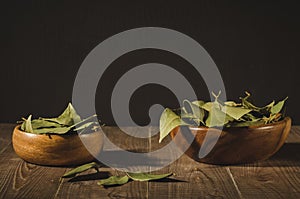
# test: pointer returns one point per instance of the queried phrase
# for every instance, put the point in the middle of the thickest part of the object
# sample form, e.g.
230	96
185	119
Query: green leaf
195	110
86	125
232	103
199	103
27	127
81	169
57	130
217	118
208	106
82	122
114	180
277	108
147	177
168	121
39	123
249	105
68	117
235	112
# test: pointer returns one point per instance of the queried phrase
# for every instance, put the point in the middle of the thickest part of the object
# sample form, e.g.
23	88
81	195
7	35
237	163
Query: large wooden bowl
235	145
55	150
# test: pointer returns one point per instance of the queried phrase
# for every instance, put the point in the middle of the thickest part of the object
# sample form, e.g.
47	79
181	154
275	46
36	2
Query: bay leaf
147	177
27	125
195	110
232	103
68	117
217	118
114	180
81	169
86	125
278	107
168	121
39	123
208	106
247	104
198	103
235	112
57	130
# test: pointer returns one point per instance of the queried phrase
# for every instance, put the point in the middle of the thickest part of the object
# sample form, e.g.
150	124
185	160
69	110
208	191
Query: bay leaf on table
147	176
114	180
81	169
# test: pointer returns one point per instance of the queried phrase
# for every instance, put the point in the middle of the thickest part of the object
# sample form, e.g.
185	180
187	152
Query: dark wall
255	44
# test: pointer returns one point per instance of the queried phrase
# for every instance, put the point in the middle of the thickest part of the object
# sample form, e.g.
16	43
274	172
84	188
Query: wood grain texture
83	188
191	179
19	179
277	177
255	181
5	136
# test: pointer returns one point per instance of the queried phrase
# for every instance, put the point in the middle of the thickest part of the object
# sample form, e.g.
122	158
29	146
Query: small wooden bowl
236	145
55	150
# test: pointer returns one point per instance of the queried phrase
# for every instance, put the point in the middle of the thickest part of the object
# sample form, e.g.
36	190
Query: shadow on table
91	176
118	159
288	155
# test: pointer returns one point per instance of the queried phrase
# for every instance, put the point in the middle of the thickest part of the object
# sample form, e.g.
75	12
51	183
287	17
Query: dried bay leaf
168	121
216	118
68	121
56	130
218	114
278	107
195	110
235	112
81	169
114	180
27	126
147	177
39	123
68	117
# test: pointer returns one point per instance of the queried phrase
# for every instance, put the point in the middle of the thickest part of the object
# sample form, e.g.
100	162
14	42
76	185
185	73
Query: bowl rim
261	126
17	129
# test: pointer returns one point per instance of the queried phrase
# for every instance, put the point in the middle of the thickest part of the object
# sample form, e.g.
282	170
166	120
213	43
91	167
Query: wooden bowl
55	150
236	145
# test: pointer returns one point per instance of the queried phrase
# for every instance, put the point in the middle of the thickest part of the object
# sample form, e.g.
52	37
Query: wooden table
278	177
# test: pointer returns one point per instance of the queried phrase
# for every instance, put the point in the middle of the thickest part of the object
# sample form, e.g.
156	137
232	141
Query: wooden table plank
278	177
294	136
255	181
5	136
90	189
19	179
195	180
191	179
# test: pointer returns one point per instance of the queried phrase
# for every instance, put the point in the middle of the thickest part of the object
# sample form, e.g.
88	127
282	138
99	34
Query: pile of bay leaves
68	122
220	114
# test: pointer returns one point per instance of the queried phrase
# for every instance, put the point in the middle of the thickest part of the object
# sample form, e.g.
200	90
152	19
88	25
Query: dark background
255	44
